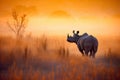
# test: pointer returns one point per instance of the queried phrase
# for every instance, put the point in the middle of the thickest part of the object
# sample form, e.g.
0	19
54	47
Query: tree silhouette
18	25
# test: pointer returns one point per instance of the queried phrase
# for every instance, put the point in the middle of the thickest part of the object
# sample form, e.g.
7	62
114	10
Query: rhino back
90	42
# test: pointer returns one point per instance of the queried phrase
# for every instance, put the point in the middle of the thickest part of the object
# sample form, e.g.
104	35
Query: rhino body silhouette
85	43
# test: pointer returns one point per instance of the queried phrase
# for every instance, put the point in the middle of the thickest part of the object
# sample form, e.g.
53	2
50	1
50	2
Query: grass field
52	59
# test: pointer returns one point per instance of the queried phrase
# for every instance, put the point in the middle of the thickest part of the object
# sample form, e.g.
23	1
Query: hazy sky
62	16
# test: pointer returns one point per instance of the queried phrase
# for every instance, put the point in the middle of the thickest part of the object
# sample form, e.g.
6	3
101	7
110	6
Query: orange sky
99	17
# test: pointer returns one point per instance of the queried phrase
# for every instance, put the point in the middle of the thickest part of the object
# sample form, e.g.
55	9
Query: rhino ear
74	31
77	32
67	35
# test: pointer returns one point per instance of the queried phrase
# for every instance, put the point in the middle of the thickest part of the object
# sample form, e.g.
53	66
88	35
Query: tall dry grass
38	59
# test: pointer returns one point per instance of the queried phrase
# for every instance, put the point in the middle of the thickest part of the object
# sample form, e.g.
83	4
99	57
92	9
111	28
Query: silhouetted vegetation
21	62
63	52
18	25
44	42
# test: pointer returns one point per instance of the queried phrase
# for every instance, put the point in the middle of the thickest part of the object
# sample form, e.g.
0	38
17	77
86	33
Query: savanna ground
46	58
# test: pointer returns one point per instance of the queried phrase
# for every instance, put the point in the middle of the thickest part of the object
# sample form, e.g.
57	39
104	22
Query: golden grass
30	60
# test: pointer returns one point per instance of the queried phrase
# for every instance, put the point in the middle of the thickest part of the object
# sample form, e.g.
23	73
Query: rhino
87	44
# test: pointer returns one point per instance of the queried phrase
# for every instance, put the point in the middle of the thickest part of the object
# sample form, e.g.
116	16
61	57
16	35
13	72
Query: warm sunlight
61	26
61	17
59	39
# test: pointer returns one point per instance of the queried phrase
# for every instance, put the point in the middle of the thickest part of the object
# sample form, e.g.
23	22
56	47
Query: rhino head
74	38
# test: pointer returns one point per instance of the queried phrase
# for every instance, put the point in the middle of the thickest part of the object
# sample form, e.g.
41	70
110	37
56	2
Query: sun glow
60	17
51	26
63	26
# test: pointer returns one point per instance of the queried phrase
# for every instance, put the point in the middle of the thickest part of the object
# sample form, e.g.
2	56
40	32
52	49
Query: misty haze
59	40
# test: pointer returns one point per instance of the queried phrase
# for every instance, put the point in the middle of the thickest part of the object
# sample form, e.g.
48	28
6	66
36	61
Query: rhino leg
91	53
86	52
82	53
81	50
94	51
